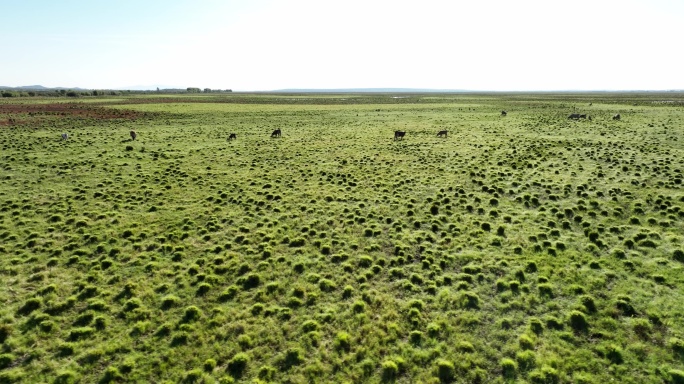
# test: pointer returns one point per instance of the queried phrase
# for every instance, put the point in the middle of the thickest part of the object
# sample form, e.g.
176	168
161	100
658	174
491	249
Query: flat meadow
526	248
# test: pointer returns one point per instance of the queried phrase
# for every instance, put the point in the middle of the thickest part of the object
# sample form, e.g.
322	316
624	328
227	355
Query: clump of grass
545	290
642	327
578	321
91	356
526	342
445	371
677	346
66	377
292	357
434	329
416	337
465	347
191	314
132	304
327	285
553	322
588	303
310	326
676	376
250	281
84	319
526	359
678	255
266	372
509	368
111	374
6	360
169	301
81	333
365	261
614	354
29	306
390	370
179	338
625	306
229	293
203	289
342	341
5	332
536	325
347	292
469	300
543	375
163	330
257	309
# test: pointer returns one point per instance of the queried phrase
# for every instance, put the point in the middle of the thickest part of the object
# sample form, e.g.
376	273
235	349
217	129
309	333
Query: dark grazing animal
399	135
65	136
504	113
232	136
616	117
276	133
133	135
577	116
442	134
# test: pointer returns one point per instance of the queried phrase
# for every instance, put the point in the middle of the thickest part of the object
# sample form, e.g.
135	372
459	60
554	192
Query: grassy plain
526	248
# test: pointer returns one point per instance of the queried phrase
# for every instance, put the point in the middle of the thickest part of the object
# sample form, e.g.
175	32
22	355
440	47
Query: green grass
526	248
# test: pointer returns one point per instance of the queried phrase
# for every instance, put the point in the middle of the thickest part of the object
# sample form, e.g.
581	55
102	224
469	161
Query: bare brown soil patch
22	114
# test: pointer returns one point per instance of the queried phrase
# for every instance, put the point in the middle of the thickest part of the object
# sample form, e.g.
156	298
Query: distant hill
39	88
33	88
372	90
153	87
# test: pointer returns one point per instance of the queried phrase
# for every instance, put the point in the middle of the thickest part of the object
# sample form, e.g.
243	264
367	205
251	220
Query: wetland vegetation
520	248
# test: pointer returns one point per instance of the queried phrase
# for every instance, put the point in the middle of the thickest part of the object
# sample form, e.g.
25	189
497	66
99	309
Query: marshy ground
521	248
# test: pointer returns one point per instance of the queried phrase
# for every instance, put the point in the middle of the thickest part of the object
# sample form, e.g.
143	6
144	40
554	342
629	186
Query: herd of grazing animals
397	134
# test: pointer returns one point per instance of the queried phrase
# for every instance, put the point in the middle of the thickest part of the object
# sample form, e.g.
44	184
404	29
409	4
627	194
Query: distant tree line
84	93
56	93
208	90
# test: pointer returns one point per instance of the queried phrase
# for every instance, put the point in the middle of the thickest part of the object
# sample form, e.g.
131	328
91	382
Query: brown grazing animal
276	133
399	135
442	134
232	136
133	135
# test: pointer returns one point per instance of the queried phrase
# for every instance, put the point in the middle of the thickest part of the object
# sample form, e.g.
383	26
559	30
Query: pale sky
261	45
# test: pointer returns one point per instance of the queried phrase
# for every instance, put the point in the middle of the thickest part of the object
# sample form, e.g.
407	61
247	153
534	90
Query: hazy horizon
268	45
152	88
